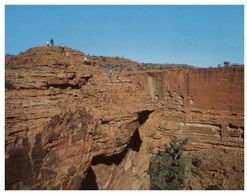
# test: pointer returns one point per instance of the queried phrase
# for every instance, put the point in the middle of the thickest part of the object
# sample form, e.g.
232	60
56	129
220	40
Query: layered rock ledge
68	125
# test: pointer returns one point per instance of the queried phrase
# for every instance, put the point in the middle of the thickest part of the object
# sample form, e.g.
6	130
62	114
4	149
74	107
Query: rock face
206	106
60	114
70	126
210	99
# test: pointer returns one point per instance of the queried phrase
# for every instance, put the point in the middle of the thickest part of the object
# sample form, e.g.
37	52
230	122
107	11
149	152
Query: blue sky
198	35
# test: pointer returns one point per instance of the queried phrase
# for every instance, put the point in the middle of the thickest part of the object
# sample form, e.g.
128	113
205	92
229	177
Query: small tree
167	169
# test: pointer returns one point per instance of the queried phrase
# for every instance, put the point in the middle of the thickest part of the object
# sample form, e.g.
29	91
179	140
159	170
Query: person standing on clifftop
47	43
52	42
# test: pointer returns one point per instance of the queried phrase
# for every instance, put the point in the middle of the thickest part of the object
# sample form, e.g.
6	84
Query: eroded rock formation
70	126
207	107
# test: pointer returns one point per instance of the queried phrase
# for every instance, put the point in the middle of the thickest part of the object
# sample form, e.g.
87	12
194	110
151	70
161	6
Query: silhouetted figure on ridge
52	42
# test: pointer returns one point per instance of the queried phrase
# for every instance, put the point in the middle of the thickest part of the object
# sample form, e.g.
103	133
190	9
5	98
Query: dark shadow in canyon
19	172
143	116
89	183
116	159
136	141
64	86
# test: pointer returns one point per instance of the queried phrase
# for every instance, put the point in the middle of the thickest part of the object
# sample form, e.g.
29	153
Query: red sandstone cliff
207	107
212	96
69	126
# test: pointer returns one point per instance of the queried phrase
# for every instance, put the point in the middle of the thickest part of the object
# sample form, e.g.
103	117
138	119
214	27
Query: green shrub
167	169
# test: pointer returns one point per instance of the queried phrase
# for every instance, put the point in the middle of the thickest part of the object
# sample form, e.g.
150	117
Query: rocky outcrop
60	114
70	126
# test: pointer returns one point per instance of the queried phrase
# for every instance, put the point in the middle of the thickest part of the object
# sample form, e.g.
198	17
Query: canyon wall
68	125
205	106
211	88
214	96
215	132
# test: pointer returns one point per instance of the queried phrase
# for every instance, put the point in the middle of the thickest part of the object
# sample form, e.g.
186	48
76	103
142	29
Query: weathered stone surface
198	105
70	126
66	113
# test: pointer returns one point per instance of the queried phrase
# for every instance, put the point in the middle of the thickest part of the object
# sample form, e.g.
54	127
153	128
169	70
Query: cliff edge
70	125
